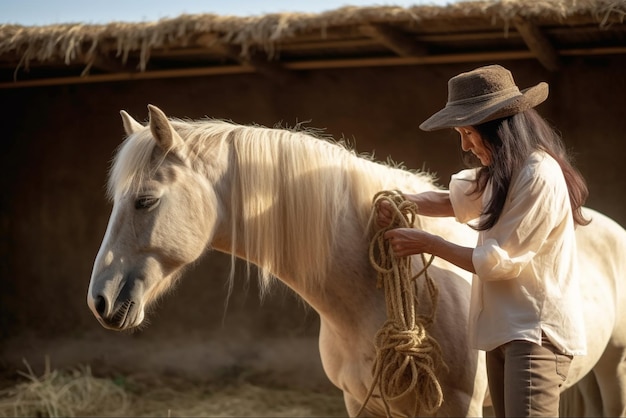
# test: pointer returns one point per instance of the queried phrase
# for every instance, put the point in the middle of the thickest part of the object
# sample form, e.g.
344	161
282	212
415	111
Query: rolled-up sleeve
466	206
492	262
532	211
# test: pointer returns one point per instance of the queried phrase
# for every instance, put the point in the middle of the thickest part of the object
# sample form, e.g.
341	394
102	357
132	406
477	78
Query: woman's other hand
384	214
409	241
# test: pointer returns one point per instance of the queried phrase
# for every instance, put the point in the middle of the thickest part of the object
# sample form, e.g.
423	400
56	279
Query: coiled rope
407	357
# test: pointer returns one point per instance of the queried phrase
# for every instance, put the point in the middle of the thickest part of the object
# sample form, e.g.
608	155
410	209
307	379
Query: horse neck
290	205
298	210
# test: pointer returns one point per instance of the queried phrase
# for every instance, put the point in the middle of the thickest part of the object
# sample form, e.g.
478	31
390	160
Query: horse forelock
131	164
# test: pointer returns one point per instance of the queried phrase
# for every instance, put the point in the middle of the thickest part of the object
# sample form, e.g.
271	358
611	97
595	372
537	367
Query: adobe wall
57	145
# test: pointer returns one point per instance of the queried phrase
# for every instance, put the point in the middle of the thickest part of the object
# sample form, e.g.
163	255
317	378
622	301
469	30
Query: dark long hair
511	140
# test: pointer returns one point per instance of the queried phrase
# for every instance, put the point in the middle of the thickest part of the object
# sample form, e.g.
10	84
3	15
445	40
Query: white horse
297	206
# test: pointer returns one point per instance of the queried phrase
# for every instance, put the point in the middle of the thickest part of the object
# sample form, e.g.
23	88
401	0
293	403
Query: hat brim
453	116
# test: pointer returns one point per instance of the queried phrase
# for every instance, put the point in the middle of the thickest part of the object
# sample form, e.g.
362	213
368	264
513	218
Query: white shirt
526	277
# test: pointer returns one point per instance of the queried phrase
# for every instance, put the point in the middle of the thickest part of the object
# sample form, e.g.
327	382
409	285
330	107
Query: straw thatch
221	40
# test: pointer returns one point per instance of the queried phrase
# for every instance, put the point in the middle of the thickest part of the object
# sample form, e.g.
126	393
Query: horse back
602	261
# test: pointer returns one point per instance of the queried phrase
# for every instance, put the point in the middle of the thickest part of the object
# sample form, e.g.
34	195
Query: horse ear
162	131
130	125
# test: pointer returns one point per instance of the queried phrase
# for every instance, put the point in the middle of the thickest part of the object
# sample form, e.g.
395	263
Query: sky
44	12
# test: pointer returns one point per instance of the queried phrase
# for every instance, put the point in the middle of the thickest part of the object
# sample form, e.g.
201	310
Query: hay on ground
77	392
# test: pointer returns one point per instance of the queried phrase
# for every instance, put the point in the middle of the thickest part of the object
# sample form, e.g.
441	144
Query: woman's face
472	141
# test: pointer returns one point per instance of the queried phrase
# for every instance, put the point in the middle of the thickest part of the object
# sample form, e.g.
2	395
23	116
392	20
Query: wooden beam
105	63
260	62
394	39
130	76
257	60
307	65
538	43
401	61
247	69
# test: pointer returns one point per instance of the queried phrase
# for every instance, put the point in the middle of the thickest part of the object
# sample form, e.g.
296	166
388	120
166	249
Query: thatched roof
278	45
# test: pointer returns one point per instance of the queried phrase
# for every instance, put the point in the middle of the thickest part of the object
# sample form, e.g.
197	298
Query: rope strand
407	357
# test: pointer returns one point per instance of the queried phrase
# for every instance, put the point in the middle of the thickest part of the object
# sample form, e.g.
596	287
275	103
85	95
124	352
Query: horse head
163	217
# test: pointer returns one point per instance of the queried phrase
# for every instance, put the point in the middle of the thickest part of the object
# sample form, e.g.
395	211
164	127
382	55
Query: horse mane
291	190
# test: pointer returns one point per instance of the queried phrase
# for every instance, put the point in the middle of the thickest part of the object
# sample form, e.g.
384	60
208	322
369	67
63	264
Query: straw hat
482	95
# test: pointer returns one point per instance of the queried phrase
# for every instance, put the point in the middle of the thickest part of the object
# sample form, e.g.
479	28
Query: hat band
506	93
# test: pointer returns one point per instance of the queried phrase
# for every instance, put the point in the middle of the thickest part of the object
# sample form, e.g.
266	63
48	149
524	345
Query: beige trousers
525	378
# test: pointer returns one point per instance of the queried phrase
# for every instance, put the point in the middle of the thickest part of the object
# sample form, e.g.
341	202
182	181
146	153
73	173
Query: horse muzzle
118	309
122	316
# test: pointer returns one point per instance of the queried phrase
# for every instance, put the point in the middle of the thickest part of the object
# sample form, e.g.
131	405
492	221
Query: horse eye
146	202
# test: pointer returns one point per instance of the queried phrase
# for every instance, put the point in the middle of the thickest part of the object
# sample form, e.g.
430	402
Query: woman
525	200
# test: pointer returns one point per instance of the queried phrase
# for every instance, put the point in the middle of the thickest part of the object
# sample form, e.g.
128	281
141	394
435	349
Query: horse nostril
101	305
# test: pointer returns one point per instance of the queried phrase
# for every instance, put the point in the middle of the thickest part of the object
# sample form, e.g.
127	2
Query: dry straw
77	392
62	394
84	43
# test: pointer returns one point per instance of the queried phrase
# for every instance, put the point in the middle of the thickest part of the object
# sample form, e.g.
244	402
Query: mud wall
57	144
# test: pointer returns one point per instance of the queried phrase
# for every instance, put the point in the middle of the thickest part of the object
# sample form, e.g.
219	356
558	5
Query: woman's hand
409	241
384	215
432	203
